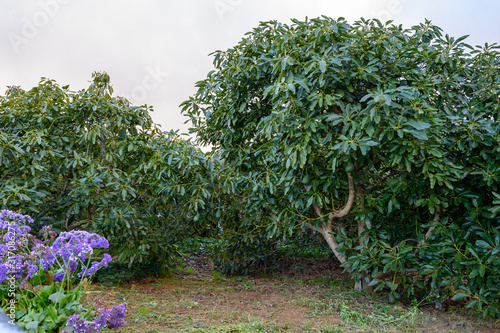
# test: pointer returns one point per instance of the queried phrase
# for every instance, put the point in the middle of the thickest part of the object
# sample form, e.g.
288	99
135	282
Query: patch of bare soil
299	295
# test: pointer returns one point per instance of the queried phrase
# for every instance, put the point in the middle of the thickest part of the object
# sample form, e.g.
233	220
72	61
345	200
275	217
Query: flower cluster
75	247
13	235
15	222
69	250
54	261
13	229
113	317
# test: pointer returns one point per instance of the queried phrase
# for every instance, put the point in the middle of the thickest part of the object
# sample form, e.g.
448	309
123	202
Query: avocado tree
92	161
384	140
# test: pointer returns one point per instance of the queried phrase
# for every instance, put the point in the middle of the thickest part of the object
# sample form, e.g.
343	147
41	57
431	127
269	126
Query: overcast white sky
156	50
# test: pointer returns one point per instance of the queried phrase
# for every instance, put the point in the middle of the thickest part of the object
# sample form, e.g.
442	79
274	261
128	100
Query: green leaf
303	158
427	271
473	252
418	134
322	66
334	164
371	143
482	270
482	244
370	130
419	125
459	296
52	312
32	325
333	117
57	296
18	149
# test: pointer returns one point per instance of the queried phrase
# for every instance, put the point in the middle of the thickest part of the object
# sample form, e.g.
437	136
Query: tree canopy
383	139
92	161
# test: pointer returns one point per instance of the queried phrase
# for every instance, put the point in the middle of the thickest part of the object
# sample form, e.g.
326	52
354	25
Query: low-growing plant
115	273
198	245
459	262
43	280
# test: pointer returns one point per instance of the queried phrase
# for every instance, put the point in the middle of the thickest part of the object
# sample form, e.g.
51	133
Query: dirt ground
299	295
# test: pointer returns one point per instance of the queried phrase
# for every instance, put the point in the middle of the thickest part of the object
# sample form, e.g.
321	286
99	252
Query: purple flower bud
32	269
58	277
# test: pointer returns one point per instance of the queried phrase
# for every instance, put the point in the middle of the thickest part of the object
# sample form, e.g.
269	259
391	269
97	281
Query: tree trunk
326	230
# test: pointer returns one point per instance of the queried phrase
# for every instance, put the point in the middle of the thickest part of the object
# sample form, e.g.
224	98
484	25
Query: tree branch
317	209
429	232
344	211
77	224
310	226
274	216
326	233
394	172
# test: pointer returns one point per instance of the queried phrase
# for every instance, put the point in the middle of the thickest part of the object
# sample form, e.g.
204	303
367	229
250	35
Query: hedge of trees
383	140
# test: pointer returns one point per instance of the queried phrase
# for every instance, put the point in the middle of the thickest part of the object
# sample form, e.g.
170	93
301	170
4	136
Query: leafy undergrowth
300	295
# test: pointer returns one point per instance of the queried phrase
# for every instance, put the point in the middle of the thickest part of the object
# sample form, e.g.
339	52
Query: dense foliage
383	139
92	161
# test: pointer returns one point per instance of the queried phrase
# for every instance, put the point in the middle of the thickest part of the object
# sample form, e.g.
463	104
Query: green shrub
459	262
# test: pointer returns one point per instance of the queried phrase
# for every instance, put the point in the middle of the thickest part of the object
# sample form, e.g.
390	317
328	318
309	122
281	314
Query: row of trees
383	140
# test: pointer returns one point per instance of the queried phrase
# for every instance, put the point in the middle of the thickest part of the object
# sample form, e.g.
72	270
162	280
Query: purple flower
48	260
114	317
23	256
83	240
106	260
16	266
3	249
58	277
95	266
78	244
12	223
25	285
72	265
89	271
32	269
78	323
3	272
47	232
7	216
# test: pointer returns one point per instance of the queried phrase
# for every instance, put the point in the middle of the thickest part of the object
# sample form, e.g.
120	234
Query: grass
197	299
305	293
